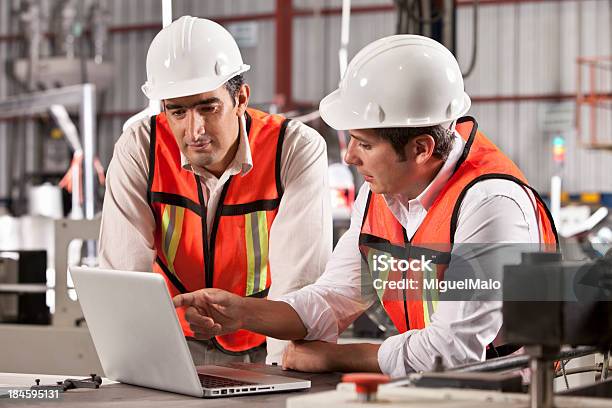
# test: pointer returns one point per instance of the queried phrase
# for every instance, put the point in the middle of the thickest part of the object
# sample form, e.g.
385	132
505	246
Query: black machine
548	304
23	287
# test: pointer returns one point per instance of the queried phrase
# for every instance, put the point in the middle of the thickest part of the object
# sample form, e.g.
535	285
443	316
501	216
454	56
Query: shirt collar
428	196
242	162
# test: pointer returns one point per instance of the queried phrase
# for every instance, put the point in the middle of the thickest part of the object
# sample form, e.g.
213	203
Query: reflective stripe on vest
235	258
172	227
480	160
256	237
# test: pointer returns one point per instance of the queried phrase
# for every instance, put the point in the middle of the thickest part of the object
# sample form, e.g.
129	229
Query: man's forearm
359	357
320	356
273	319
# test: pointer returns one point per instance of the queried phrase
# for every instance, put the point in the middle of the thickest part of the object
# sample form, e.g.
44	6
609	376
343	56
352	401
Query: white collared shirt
493	211
128	226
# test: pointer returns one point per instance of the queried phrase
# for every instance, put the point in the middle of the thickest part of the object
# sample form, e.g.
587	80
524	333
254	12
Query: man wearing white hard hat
433	182
213	194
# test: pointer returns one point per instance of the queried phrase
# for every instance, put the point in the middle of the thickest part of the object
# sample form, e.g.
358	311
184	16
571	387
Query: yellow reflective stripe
256	238
165	224
262	221
248	237
176	235
172	229
425	299
430	297
435	295
382	274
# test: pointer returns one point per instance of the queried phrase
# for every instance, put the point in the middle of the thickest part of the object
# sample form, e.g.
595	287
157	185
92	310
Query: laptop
139	340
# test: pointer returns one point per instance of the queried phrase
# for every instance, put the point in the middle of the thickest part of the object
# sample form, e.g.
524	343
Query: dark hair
400	136
233	86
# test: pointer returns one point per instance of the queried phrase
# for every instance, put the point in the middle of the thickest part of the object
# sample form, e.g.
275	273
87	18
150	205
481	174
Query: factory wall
523	49
531	49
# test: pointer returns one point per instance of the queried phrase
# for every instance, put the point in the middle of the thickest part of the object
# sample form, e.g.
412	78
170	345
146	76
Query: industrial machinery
23	287
53	63
33	339
571	306
60	77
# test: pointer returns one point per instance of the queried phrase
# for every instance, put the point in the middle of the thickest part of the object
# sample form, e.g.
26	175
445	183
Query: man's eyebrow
208	101
359	138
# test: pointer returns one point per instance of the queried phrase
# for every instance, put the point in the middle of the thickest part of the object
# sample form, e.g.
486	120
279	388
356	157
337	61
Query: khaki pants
204	352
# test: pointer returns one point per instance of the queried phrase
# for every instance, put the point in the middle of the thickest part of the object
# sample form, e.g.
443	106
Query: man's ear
423	147
243	99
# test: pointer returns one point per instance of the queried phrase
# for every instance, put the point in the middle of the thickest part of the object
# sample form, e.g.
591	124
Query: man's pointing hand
211	312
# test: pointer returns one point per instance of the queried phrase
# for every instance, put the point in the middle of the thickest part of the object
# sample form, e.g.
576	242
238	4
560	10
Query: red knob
366	384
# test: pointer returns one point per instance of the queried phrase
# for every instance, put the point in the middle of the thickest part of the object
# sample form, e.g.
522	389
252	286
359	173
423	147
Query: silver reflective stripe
170	230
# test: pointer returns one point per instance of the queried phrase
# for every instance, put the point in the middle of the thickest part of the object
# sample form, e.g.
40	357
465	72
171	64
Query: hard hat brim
190	87
336	113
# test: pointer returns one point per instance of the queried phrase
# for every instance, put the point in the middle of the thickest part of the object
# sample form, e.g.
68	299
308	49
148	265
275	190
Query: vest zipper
406	242
213	235
207	283
211	261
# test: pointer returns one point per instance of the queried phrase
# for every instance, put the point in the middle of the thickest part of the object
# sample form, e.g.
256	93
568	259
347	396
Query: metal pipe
448	25
578	370
555	197
496	364
579	97
284	53
344	36
605	366
592	111
166	12
87	113
154	104
77	211
541	387
39	102
520	361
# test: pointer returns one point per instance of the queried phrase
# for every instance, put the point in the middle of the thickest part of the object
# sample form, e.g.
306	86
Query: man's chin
201	161
375	188
378	189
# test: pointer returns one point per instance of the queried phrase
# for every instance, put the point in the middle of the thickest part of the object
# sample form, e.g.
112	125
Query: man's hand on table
320	356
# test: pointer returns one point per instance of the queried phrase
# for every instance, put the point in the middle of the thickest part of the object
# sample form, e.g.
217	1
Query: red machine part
366	384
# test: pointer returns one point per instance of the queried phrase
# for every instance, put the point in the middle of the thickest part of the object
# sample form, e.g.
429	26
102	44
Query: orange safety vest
236	256
481	160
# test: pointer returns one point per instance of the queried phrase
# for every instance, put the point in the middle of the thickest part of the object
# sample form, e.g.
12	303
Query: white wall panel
531	49
316	46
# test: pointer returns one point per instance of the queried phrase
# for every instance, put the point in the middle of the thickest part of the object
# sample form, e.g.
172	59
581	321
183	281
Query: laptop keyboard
211	381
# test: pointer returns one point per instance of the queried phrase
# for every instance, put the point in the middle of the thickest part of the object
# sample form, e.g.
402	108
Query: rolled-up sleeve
301	235
342	293
127	231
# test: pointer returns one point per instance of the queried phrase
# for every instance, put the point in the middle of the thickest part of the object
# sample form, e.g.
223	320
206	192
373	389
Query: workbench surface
123	395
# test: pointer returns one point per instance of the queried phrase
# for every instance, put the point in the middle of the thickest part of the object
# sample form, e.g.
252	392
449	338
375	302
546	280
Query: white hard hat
190	56
398	81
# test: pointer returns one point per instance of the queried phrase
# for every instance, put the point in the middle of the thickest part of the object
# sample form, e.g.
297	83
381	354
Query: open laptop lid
135	330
